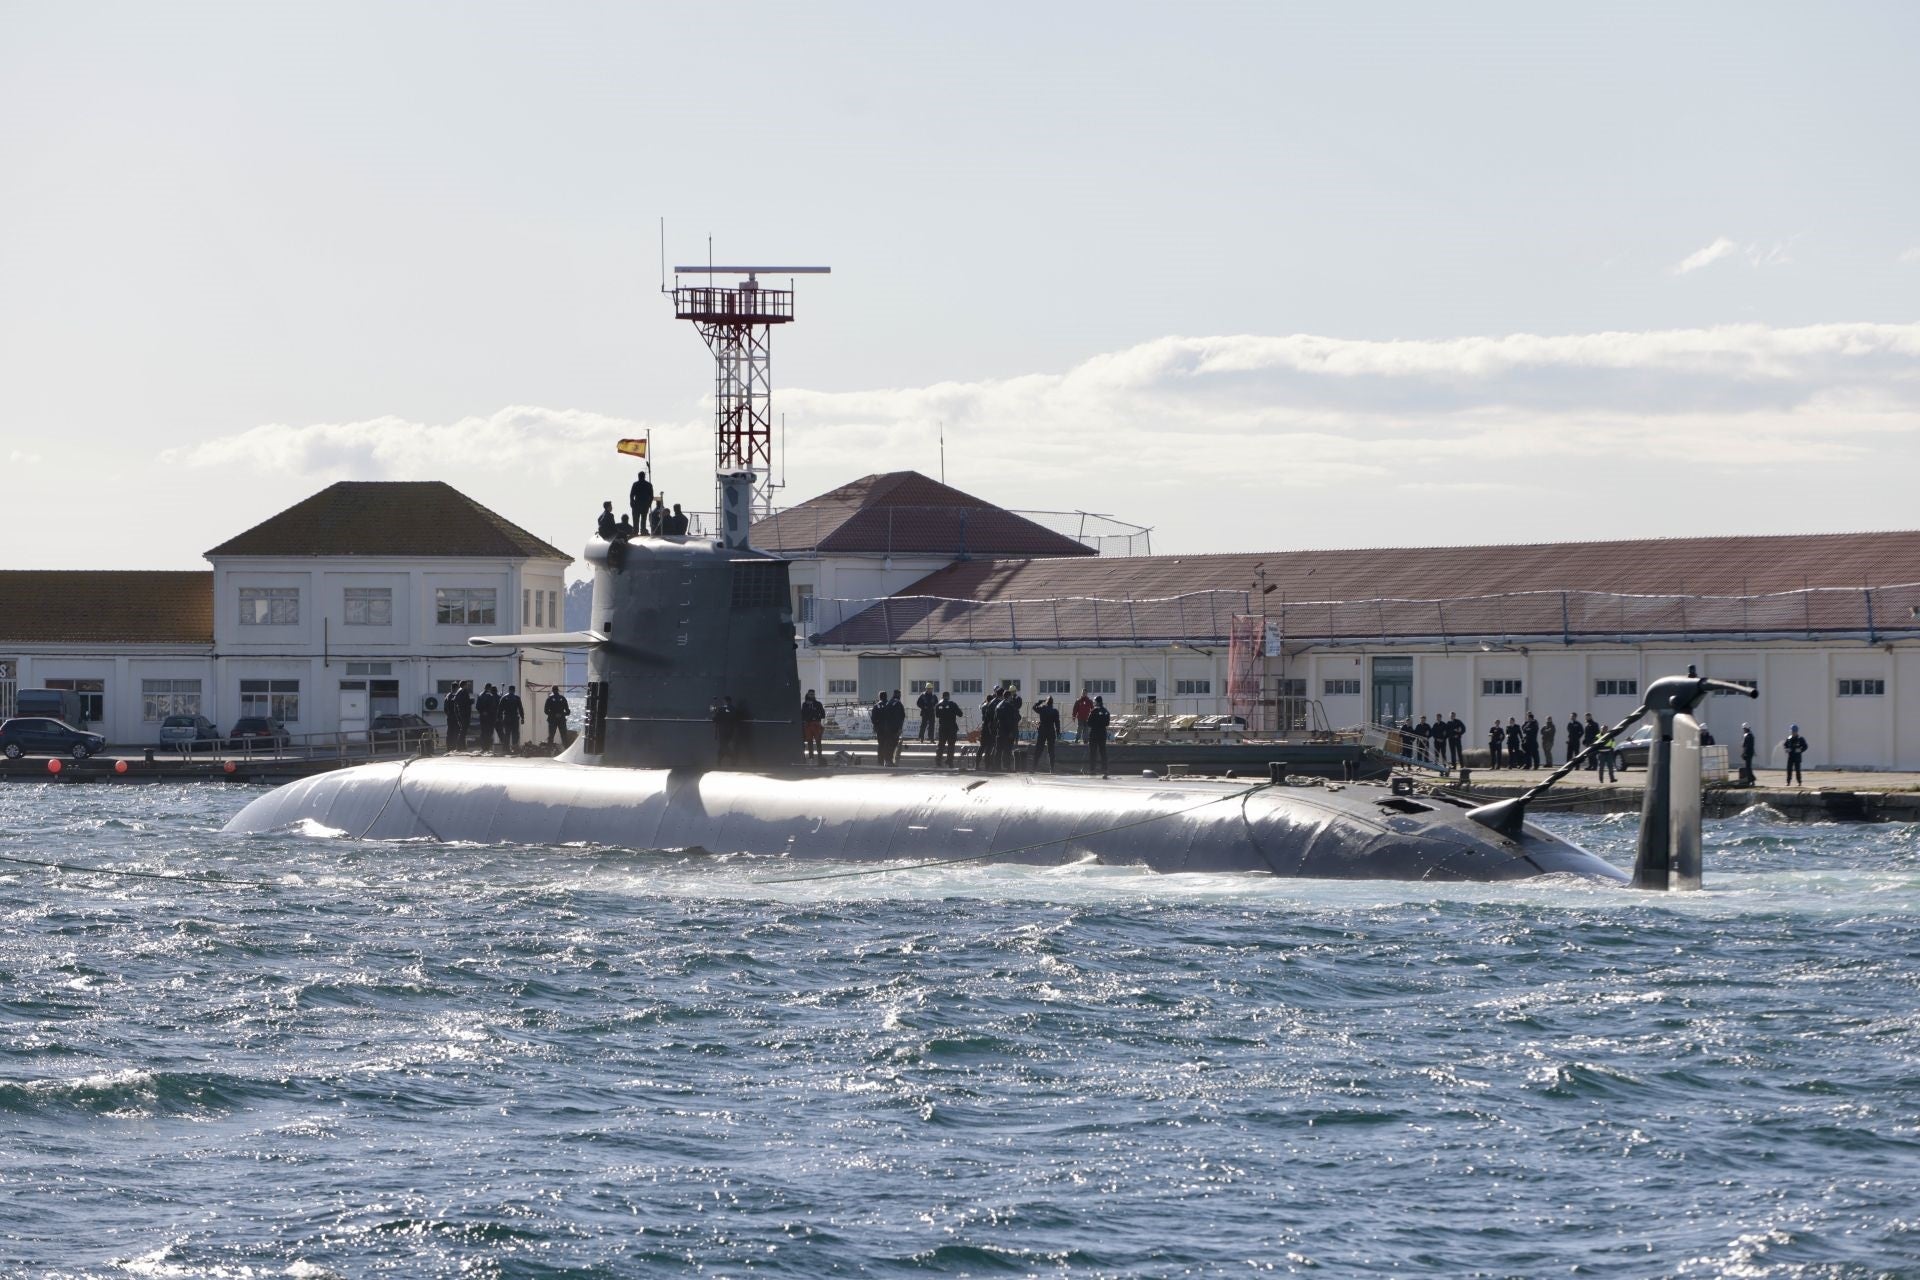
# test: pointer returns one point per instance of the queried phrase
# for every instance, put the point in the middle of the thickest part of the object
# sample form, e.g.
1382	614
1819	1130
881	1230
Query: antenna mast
736	321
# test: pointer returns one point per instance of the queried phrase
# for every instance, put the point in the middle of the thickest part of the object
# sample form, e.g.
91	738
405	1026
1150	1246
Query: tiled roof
906	513
86	606
1644	586
389	518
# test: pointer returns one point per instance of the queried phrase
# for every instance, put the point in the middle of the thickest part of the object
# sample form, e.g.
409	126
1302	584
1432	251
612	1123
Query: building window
1146	689
369	668
1342	688
1616	688
1290	687
1009	684
279	699
553	609
93	697
846	687
1055	686
1863	688
967	686
1191	688
465	606
526	607
269	606
1101	687
1499	688
162	698
803	605
369	606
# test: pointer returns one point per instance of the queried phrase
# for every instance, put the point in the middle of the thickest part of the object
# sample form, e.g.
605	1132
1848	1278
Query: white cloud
1256	441
1910	257
20	457
1707	256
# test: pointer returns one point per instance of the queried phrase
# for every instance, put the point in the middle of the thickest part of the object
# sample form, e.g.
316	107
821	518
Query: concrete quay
1829	795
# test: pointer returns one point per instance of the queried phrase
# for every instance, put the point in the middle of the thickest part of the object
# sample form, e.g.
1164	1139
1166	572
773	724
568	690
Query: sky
1258	276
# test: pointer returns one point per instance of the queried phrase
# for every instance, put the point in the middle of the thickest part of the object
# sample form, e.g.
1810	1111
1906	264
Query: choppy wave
362	1059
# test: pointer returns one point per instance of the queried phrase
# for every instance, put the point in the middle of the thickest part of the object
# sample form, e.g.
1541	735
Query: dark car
1631	752
189	733
42	736
258	731
406	729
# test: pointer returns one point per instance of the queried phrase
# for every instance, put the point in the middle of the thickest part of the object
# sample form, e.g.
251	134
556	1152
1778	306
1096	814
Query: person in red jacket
1081	710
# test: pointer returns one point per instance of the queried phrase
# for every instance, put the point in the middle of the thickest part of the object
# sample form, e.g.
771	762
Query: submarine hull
1166	825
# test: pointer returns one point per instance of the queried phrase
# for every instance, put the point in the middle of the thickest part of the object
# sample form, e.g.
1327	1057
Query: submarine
680	621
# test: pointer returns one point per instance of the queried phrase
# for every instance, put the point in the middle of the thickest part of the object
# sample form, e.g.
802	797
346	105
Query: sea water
334	1058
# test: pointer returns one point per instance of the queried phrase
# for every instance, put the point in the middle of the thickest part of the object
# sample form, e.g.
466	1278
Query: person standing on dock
1496	738
557	709
1097	721
1530	741
1591	732
1573	736
882	729
1605	761
1747	777
1007	735
1081	710
1047	734
1547	731
813	721
1422	743
512	712
946	715
1796	748
487	706
459	715
1456	737
927	701
1515	758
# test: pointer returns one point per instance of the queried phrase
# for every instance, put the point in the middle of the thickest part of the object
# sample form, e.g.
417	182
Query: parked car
1631	751
43	736
189	733
258	731
406	729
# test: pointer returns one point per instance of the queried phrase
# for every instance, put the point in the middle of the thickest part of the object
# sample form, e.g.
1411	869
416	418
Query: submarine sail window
758	584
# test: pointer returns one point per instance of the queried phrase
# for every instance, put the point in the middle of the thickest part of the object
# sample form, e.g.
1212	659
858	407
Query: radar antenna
736	321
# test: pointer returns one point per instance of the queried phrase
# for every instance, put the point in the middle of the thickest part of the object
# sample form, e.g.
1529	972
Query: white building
1827	627
355	602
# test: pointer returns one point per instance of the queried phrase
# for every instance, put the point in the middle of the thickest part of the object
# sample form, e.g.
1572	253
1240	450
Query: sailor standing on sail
946	714
1007	735
640	500
1097	721
1047	734
557	709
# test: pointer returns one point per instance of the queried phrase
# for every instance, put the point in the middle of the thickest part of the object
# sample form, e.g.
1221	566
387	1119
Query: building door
878	676
1392	690
353	706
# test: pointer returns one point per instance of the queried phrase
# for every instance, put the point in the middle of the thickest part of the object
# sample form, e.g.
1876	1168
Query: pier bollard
1276	772
54	767
120	766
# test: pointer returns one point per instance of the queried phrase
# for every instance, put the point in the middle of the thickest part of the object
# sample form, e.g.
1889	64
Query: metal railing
341	745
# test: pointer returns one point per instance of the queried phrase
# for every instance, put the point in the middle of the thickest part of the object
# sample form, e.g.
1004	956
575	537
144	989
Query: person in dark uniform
882	730
897	720
1047	734
462	697
1422	743
1097	721
1456	737
656	518
1496	739
487	707
813	722
1573	736
927	701
989	726
1796	748
1516	758
1530	742
677	522
607	521
1590	733
1548	732
1006	736
512	712
640	500
557	709
1747	777
726	732
946	717
623	530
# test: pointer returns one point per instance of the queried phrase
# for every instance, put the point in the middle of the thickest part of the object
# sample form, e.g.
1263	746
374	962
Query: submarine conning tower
686	622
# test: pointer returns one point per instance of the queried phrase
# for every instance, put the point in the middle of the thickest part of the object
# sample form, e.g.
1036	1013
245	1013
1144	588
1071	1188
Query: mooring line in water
1025	848
143	875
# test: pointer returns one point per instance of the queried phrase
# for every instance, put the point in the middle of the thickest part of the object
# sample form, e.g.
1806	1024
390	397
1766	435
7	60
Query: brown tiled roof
87	606
389	518
906	513
1644	586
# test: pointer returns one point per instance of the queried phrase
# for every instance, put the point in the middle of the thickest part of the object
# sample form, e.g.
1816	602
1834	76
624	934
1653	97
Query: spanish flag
638	448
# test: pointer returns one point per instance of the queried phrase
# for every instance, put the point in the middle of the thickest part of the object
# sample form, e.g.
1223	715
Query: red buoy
119	766
229	766
53	766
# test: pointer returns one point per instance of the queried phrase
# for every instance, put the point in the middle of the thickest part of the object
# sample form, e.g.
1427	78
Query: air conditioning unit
429	703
